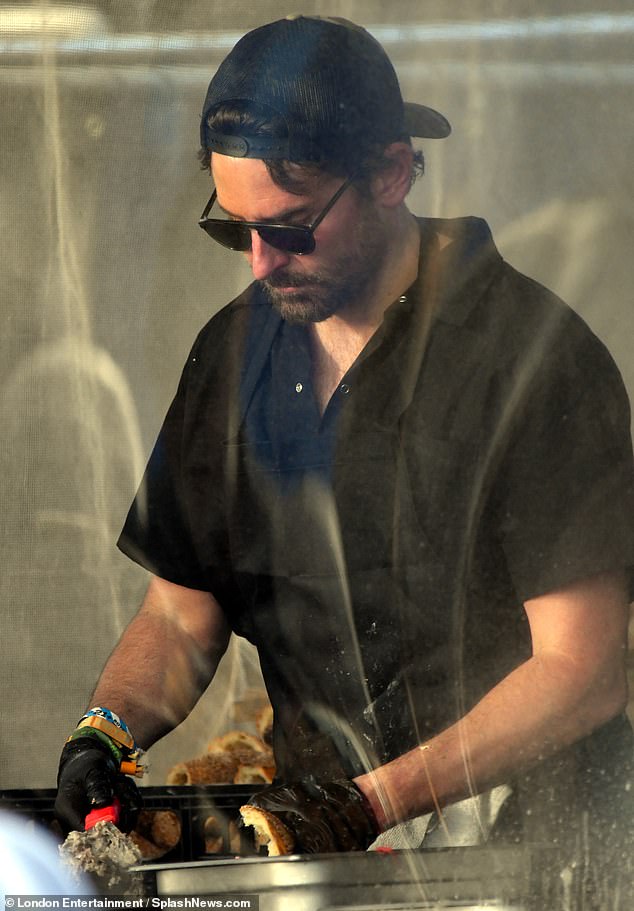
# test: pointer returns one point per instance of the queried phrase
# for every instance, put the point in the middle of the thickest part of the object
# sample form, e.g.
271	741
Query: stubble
344	283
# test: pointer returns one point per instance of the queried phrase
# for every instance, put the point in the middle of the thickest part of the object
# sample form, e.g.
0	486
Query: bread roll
270	832
156	832
254	774
264	724
213	834
245	748
165	829
149	851
214	768
235	741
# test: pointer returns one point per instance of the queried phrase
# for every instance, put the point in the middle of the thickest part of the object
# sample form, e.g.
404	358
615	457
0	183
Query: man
400	468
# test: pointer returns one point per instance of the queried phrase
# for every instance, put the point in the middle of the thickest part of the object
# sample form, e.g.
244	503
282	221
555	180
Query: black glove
328	817
89	779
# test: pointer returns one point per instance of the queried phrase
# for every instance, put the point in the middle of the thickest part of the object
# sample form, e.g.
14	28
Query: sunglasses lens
237	236
230	234
289	239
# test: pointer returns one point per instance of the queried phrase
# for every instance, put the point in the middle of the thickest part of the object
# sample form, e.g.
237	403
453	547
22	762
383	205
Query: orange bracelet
107	727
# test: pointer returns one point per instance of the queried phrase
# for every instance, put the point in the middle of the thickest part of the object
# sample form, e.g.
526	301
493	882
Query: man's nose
263	258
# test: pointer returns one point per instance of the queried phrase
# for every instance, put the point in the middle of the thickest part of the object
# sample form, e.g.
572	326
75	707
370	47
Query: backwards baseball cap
330	82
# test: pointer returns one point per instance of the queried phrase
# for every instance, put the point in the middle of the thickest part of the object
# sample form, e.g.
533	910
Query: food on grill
264	724
213	834
236	757
249	704
240	744
270	832
233	741
233	758
147	849
156	832
220	837
214	768
165	827
254	774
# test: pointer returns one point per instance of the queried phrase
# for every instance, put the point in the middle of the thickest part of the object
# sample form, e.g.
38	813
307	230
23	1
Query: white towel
468	822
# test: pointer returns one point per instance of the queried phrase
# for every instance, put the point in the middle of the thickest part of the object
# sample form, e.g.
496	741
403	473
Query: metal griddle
506	879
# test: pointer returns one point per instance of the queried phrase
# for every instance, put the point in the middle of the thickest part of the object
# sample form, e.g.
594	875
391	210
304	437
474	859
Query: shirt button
298	387
345	388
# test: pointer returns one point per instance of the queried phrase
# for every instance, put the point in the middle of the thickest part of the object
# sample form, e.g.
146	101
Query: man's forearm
164	661
150	679
517	723
574	682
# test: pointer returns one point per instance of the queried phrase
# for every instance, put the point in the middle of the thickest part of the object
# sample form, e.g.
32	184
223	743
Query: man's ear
391	185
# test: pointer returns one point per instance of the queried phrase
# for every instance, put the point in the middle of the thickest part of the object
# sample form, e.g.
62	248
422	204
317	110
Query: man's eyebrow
280	218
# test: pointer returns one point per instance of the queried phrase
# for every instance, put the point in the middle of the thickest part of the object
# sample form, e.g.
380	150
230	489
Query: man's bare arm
574	682
164	660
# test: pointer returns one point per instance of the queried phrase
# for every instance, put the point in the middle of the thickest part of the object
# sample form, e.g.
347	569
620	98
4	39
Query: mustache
291	280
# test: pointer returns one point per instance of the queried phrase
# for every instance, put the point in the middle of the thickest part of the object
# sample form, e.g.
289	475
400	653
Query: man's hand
323	818
574	682
89	779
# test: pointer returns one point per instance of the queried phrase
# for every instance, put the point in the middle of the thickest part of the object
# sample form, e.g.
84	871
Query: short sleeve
567	481
156	533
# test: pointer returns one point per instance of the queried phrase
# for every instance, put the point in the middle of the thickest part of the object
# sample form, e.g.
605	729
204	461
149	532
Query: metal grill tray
192	805
468	878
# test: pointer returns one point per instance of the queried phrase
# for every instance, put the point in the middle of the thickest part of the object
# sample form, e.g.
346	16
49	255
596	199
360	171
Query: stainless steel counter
466	878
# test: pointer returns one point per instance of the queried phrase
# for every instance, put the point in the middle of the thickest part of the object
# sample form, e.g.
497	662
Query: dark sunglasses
236	235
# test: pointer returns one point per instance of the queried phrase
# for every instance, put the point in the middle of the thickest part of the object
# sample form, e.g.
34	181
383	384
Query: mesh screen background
106	277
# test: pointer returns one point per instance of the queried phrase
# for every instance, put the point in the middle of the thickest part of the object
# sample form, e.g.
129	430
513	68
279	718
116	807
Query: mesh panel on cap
330	84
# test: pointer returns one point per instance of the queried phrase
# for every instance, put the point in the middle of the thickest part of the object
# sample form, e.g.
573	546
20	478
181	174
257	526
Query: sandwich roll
270	832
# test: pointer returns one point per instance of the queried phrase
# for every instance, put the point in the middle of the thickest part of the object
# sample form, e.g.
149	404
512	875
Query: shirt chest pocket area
314	518
387	498
384	492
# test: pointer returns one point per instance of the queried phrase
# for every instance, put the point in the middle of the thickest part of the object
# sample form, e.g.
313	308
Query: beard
318	295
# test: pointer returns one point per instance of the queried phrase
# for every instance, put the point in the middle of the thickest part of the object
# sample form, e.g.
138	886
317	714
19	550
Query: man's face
349	249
